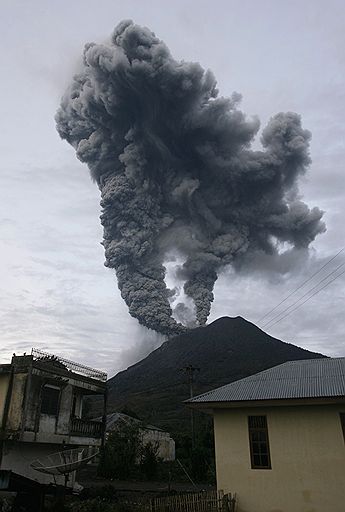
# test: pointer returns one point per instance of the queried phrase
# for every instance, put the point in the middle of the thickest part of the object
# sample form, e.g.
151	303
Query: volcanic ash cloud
172	160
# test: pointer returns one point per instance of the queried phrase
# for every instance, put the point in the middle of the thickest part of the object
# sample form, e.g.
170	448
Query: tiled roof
308	378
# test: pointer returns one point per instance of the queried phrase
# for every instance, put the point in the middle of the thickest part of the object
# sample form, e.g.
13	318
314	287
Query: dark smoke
174	166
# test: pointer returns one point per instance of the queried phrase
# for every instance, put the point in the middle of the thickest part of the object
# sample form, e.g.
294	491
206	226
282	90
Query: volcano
225	350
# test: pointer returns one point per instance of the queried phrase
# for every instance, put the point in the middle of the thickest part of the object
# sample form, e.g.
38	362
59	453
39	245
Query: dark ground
87	477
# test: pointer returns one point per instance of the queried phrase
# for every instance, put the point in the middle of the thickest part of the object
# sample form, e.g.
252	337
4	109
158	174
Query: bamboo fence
211	501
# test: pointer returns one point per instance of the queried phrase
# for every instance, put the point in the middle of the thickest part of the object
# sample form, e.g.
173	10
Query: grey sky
55	292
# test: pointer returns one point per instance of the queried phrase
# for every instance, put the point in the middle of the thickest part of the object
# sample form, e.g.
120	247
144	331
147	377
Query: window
50	400
342	421
258	442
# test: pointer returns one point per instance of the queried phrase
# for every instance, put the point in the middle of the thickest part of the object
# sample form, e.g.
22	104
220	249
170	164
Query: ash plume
174	165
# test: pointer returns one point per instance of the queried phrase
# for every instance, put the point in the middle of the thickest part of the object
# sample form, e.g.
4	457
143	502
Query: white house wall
165	444
307	457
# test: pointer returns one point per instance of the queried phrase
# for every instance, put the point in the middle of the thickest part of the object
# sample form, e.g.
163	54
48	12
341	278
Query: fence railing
87	371
86	428
211	501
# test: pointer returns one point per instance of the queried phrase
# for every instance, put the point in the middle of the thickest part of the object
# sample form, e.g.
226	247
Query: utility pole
190	370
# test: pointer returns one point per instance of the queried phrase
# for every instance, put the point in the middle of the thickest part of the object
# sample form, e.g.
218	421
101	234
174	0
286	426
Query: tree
121	452
149	460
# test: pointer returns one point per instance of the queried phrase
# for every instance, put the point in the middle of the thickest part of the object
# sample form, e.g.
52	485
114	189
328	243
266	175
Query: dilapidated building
41	410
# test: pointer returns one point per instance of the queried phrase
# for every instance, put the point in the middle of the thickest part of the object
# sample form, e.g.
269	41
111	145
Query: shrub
149	460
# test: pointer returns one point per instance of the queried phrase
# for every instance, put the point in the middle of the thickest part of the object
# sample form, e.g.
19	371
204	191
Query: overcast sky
55	292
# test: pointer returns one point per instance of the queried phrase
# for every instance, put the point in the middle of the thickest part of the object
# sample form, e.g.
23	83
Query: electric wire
306	300
304	295
300	286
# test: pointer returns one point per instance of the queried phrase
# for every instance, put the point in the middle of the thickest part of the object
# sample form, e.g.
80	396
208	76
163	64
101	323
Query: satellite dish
65	462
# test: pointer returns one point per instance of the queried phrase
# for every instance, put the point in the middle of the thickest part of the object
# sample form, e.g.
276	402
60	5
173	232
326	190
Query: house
41	411
279	437
149	434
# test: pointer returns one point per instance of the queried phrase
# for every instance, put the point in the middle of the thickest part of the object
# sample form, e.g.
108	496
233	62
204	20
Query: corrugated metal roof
309	378
115	418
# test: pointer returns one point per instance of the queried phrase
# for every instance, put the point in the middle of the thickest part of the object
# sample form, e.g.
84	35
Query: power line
317	337
306	300
304	295
300	286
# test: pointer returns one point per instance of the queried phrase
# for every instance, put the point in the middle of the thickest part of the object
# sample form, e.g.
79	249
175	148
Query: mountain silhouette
225	350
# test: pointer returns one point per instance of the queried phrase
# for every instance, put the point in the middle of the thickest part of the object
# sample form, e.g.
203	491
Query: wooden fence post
204	501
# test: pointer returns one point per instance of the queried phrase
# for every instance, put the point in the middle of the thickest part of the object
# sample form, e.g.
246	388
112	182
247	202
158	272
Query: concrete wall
59	439
48	423
165	444
78	412
307	456
16	406
33	403
65	409
4	381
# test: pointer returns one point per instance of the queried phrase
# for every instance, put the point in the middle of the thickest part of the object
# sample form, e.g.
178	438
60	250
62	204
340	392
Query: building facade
280	437
41	411
149	434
